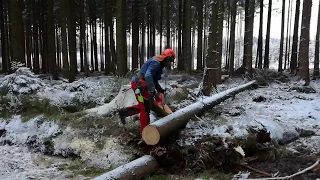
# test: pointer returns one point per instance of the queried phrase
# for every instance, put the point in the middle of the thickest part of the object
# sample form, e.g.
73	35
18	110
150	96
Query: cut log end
150	135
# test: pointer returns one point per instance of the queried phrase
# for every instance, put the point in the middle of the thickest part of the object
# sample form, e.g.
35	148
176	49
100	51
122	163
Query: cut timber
152	133
136	169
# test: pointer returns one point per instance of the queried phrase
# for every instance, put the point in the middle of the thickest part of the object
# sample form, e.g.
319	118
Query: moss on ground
78	167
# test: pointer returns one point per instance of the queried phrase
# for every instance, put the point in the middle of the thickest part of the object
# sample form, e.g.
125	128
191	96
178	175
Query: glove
162	91
156	96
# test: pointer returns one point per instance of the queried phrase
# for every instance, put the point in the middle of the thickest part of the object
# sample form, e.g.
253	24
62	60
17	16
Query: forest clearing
164	89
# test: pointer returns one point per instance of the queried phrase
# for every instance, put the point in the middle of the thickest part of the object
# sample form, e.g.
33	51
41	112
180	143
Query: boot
123	114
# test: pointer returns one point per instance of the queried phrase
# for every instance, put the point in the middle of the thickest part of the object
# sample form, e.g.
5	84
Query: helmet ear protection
169	54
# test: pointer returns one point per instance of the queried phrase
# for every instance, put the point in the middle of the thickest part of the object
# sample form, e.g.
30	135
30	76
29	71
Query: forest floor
45	132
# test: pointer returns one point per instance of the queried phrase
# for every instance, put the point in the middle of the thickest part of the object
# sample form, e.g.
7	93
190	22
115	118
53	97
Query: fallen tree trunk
164	126
136	169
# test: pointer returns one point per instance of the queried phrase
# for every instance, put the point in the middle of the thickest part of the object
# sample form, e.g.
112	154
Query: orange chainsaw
160	103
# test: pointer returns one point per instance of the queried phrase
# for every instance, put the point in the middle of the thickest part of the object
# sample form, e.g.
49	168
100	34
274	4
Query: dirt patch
289	165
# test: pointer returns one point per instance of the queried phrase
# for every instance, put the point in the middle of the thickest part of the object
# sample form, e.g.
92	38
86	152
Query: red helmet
169	53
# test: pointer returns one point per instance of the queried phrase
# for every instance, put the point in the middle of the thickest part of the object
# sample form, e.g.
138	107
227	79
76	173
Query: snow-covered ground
282	110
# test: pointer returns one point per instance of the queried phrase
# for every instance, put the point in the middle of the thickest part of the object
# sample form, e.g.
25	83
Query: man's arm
150	73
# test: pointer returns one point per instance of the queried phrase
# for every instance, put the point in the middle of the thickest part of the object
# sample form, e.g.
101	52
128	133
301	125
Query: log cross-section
152	133
136	169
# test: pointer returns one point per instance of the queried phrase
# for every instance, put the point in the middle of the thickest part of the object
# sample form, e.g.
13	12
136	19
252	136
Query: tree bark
232	36
17	48
161	128
180	56
51	40
260	39
72	40
4	36
136	169
186	41
282	36
121	39
266	55
288	35
161	24
200	29
316	57
304	42
64	41
294	49
168	23
35	29
135	35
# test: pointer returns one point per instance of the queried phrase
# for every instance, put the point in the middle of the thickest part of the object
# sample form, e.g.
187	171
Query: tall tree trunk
135	35
113	47
35	30
44	37
107	58
249	36
186	41
232	36
180	56
282	35
168	23
58	51
72	40
288	35
266	56
83	16
260	39
219	43
51	40
294	55
161	24
121	39
64	41
17	48
28	37
200	29
143	35
304	42
316	57
4	38
94	34
209	76
102	62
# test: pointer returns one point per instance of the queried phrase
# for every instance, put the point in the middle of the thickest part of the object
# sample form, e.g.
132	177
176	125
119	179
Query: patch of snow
282	113
22	81
18	132
19	163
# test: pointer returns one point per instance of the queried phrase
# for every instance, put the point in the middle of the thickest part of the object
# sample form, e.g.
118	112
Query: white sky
276	18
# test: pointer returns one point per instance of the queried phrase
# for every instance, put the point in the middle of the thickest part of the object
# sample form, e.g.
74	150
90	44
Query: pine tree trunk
288	35
107	58
180	56
143	33
28	37
4	36
94	34
219	43
72	40
135	35
200	29
83	16
282	36
51	40
304	42
17	48
113	47
58	51
64	41
102	61
209	76
168	23
161	24
232	36
44	37
294	55
260	39
249	36
266	55
316	57
186	41
35	30
121	39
